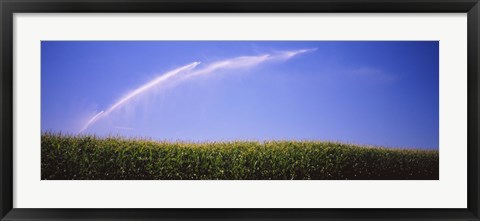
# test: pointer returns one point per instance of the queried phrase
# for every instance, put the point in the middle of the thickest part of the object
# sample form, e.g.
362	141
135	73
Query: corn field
68	157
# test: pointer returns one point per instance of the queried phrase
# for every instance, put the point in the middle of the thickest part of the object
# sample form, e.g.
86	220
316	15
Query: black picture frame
9	7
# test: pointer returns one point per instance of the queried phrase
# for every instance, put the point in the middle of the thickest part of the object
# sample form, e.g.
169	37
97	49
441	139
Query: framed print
239	110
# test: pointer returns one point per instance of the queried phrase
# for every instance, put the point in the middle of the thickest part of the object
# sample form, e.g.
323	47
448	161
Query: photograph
239	110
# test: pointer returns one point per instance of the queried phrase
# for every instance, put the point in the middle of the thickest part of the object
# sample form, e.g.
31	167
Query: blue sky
365	92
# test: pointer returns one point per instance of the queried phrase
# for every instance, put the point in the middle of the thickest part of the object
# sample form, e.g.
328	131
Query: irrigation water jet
237	62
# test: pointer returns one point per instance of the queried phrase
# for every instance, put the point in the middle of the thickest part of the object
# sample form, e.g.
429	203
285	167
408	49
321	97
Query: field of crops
66	157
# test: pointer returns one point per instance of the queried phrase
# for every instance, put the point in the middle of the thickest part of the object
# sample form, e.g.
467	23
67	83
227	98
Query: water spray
237	62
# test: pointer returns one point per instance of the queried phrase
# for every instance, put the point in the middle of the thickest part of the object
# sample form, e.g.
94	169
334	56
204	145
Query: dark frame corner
9	7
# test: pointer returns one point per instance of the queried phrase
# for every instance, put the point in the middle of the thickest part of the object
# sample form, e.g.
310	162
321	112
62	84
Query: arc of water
237	62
